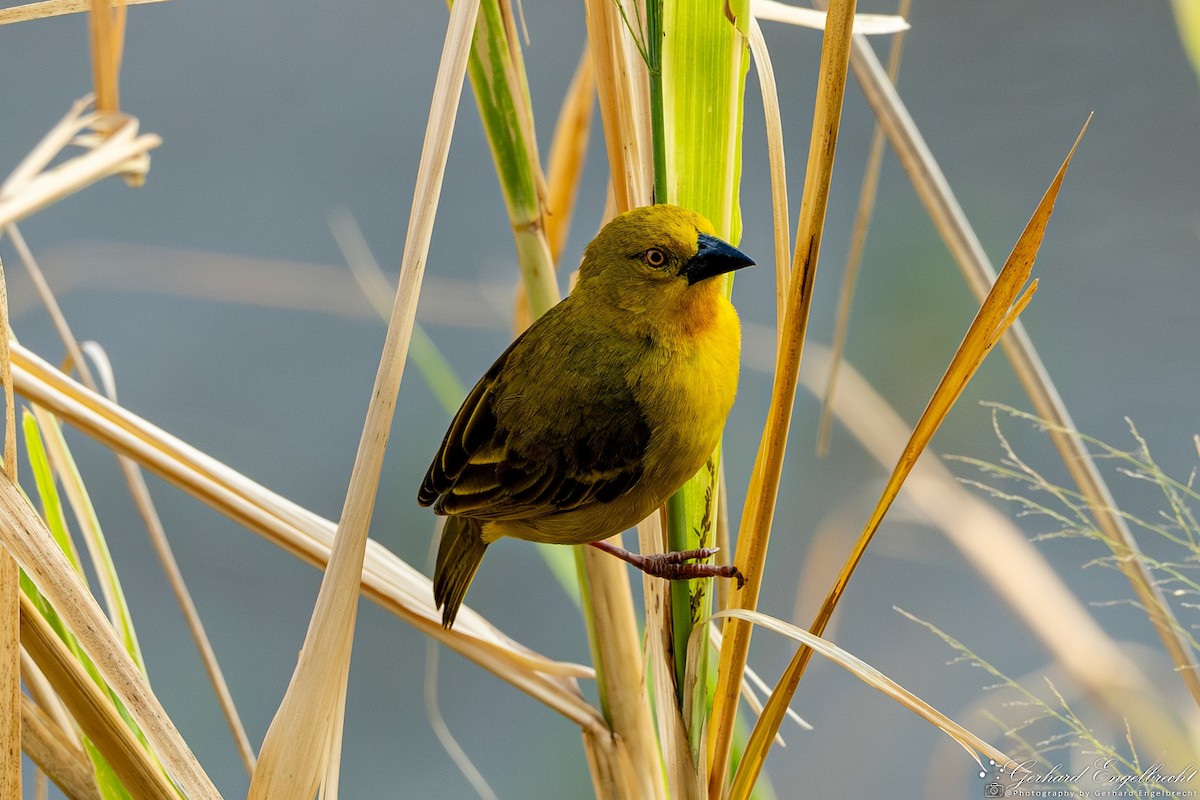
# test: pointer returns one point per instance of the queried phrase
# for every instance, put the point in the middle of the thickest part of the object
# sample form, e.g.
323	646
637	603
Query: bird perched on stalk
601	410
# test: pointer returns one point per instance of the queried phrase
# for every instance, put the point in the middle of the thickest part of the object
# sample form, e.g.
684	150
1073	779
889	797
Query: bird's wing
522	447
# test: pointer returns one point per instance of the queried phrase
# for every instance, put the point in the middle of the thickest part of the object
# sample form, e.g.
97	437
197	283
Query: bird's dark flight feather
501	461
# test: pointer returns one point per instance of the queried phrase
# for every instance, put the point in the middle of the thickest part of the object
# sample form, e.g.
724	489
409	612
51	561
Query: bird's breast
686	385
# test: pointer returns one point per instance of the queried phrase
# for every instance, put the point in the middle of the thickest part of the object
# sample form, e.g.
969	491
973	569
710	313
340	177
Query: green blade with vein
704	64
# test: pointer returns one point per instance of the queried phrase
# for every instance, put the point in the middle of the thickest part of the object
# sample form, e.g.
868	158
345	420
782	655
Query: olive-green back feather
525	444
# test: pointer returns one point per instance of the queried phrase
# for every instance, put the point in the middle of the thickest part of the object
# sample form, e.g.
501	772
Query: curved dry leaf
866	24
873	678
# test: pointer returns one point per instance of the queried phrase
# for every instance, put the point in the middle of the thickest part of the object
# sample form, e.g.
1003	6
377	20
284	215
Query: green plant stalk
497	74
43	477
703	70
98	547
654	62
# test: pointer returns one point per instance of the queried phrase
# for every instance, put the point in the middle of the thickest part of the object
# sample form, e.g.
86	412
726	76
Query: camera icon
993	790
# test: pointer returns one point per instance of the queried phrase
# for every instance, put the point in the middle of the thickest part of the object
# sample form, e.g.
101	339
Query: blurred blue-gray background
273	115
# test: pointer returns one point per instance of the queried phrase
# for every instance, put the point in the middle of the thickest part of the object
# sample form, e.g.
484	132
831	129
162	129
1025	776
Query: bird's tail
458	558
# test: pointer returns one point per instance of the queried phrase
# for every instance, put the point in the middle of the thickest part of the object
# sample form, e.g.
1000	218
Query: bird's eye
654	257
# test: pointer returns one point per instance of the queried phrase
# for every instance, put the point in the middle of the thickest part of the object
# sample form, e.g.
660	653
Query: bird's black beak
713	257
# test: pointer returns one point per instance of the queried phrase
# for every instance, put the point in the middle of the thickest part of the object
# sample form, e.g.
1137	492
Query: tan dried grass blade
609	765
296	754
42	693
618	657
764	481
1007	298
873	678
10	639
106	29
32	187
624	107
55	8
865	24
6	382
52	750
781	224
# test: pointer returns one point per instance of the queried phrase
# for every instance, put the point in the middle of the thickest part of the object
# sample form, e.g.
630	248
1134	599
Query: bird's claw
675	566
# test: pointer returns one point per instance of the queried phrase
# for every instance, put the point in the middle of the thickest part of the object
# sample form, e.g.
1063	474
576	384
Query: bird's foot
676	565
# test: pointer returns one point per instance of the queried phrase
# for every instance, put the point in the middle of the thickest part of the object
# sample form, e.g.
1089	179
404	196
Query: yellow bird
601	410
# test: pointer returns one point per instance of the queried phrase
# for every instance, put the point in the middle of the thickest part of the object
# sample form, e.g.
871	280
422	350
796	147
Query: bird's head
654	255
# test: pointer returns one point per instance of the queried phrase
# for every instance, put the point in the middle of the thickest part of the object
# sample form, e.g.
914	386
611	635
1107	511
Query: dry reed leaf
74	122
297	752
621	86
106	30
1006	559
1010	294
33	186
43	695
764	482
95	713
873	678
775	155
10	641
858	242
55	8
608	764
6	383
53	751
753	684
53	310
864	24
